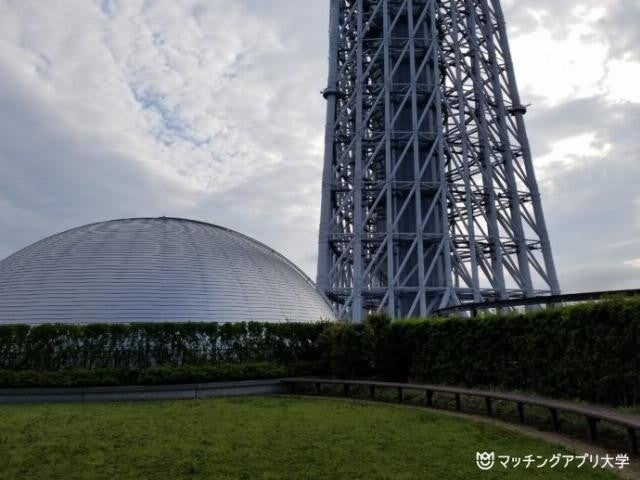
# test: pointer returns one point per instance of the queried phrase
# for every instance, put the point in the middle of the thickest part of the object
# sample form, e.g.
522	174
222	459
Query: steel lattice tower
429	196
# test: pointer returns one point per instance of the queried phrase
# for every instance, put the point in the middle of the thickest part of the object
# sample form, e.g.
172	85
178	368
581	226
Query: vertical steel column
488	191
330	94
449	295
417	160
524	275
465	147
358	224
552	276
388	164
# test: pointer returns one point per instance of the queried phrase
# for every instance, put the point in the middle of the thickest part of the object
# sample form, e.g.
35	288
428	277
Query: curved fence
549	300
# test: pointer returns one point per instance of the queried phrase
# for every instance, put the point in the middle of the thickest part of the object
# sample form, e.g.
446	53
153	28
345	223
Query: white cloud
555	68
622	81
569	151
154	79
635	263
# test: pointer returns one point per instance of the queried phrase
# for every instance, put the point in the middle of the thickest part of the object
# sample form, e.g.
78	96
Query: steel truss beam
429	196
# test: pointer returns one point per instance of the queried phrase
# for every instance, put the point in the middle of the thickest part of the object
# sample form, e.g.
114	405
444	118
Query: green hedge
148	376
589	352
144	345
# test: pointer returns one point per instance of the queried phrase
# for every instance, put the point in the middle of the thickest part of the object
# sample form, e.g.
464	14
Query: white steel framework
429	195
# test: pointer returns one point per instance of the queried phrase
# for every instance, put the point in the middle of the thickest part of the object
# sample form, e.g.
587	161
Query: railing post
554	419
592	427
429	397
487	402
346	388
400	397
458	402
633	440
292	387
521	412
372	392
318	388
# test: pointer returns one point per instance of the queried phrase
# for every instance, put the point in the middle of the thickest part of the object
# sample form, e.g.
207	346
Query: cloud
620	26
55	174
590	193
635	263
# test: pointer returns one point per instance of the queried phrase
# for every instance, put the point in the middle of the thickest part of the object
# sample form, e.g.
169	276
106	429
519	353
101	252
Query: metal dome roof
154	270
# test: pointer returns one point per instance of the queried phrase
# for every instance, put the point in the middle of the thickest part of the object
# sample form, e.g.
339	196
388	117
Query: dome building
154	270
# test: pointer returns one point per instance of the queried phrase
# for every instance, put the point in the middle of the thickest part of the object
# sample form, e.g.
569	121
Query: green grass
255	438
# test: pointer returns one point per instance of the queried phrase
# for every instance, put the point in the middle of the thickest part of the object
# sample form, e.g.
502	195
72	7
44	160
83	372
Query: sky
211	110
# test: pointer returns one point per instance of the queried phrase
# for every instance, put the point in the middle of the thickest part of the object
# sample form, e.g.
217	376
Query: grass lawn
256	437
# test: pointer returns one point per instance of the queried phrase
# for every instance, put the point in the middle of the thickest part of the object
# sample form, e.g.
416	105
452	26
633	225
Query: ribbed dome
154	270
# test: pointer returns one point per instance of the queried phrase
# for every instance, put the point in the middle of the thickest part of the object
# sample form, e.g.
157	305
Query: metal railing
475	308
592	414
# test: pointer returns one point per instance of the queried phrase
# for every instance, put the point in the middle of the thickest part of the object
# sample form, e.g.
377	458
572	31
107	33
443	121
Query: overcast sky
211	110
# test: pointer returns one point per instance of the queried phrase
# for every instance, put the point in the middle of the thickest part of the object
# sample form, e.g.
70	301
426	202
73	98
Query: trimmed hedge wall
144	345
589	352
103	377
